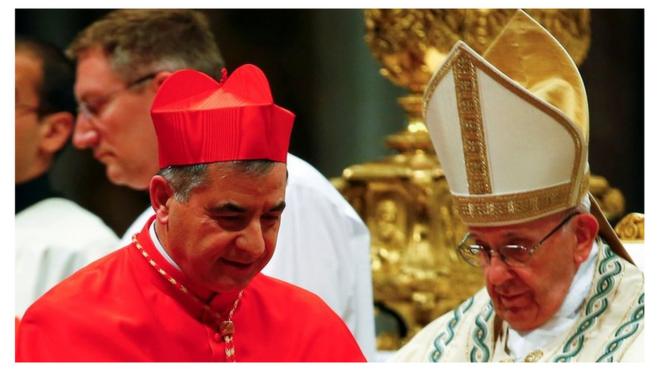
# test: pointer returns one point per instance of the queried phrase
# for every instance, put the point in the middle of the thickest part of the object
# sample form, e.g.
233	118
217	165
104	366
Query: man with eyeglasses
122	60
54	236
511	132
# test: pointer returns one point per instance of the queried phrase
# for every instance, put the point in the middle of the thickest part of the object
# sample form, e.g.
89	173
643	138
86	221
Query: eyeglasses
92	110
513	255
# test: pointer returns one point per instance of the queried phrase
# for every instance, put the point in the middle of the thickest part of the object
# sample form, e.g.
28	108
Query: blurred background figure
54	236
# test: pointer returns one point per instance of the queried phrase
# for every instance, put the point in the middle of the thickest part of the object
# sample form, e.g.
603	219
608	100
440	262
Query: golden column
404	198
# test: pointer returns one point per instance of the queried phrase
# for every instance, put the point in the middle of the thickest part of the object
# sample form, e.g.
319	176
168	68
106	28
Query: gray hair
184	179
139	41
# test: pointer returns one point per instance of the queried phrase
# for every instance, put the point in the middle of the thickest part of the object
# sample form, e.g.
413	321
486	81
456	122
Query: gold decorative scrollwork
610	199
631	227
411	43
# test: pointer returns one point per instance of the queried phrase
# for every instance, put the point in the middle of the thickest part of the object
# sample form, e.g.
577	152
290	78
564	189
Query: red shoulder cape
120	308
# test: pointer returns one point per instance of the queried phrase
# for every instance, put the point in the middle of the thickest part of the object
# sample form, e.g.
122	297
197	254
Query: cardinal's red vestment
122	308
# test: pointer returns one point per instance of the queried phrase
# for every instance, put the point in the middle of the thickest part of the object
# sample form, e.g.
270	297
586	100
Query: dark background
320	68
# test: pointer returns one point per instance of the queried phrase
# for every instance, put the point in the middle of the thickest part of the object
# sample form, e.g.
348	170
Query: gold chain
226	326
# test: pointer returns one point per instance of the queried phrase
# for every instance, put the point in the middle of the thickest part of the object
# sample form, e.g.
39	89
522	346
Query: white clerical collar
159	247
522	343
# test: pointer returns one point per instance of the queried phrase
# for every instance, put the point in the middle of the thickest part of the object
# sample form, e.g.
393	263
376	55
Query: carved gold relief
610	199
631	227
411	43
417	274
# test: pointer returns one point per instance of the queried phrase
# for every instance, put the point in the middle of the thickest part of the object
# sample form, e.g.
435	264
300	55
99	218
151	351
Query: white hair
585	204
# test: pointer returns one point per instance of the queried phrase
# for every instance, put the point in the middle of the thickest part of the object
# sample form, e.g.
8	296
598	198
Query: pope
511	129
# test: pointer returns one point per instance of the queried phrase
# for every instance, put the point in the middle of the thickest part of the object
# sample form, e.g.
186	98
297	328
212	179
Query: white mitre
511	129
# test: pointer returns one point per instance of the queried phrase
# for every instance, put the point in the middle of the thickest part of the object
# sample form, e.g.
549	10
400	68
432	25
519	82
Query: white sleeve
324	247
136	227
55	238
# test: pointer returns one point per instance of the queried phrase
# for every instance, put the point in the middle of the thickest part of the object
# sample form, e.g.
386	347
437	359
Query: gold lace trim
472	130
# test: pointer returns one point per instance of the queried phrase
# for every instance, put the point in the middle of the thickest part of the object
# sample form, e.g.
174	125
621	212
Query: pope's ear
160	193
586	230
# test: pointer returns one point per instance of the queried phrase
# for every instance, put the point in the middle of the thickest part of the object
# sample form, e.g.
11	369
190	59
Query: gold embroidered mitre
510	128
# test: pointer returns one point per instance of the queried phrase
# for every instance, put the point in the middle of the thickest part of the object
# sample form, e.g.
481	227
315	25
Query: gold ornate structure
404	198
630	231
631	228
610	199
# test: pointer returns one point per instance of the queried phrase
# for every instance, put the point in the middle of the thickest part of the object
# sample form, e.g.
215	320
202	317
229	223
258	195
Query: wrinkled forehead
530	229
245	191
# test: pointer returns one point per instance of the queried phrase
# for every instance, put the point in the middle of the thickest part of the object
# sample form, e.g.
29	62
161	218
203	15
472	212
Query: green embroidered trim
480	352
608	268
438	343
625	331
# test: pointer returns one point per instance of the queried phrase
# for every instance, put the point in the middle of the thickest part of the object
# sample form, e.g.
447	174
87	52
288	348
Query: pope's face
225	233
120	134
528	296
